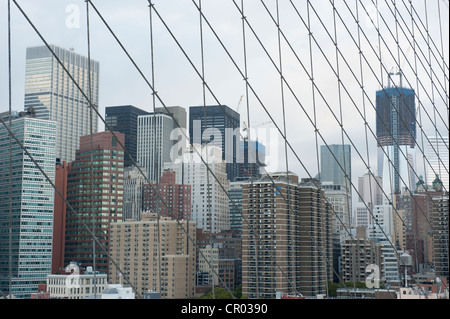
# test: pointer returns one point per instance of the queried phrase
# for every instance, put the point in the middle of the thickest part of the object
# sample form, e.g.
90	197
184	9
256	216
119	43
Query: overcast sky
177	83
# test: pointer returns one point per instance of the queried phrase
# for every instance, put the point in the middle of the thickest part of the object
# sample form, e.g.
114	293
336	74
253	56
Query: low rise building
76	285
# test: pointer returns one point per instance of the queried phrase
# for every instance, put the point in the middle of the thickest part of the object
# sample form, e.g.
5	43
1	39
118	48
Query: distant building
59	220
357	254
133	191
370	194
224	251
209	200
440	217
335	177
98	205
76	284
177	113
222	125
155	143
168	198
41	292
286	241
54	96
396	134
235	204
437	160
335	164
26	203
338	197
253	153
167	268
118	291
124	119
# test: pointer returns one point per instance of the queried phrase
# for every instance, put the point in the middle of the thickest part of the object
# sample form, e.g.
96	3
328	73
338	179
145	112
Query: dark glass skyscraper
396	134
396	116
124	119
218	125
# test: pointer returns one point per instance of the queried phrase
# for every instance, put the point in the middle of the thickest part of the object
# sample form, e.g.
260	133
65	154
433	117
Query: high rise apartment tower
95	192
286	238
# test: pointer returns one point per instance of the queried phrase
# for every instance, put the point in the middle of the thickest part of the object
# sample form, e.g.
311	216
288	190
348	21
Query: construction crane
239	104
258	125
245	127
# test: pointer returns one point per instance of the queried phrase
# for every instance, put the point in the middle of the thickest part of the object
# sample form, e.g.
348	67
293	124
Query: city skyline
66	33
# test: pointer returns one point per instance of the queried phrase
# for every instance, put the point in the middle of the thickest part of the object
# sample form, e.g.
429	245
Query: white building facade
154	144
438	160
210	203
75	285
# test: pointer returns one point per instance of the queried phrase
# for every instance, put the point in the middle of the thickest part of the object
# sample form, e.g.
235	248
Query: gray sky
177	83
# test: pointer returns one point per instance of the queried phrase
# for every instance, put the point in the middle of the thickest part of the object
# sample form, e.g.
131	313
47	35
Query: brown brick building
155	255
286	238
168	198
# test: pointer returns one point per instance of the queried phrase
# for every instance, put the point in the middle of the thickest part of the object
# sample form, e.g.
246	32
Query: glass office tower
55	96
335	164
396	133
26	230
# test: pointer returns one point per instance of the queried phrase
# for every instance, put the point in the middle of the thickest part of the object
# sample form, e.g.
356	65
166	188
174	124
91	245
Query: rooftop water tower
405	263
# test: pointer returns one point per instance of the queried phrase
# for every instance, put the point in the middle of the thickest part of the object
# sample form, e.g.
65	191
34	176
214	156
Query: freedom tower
396	134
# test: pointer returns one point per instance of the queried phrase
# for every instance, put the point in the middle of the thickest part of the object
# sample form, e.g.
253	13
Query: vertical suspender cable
208	186
244	46
10	150
92	148
341	123
157	207
291	260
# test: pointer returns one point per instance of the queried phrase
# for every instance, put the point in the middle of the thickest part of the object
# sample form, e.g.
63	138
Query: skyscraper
133	186
286	246
209	198
222	125
440	235
178	113
369	195
54	96
26	256
254	159
335	164
95	192
155	143
124	119
336	176
396	133
438	159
